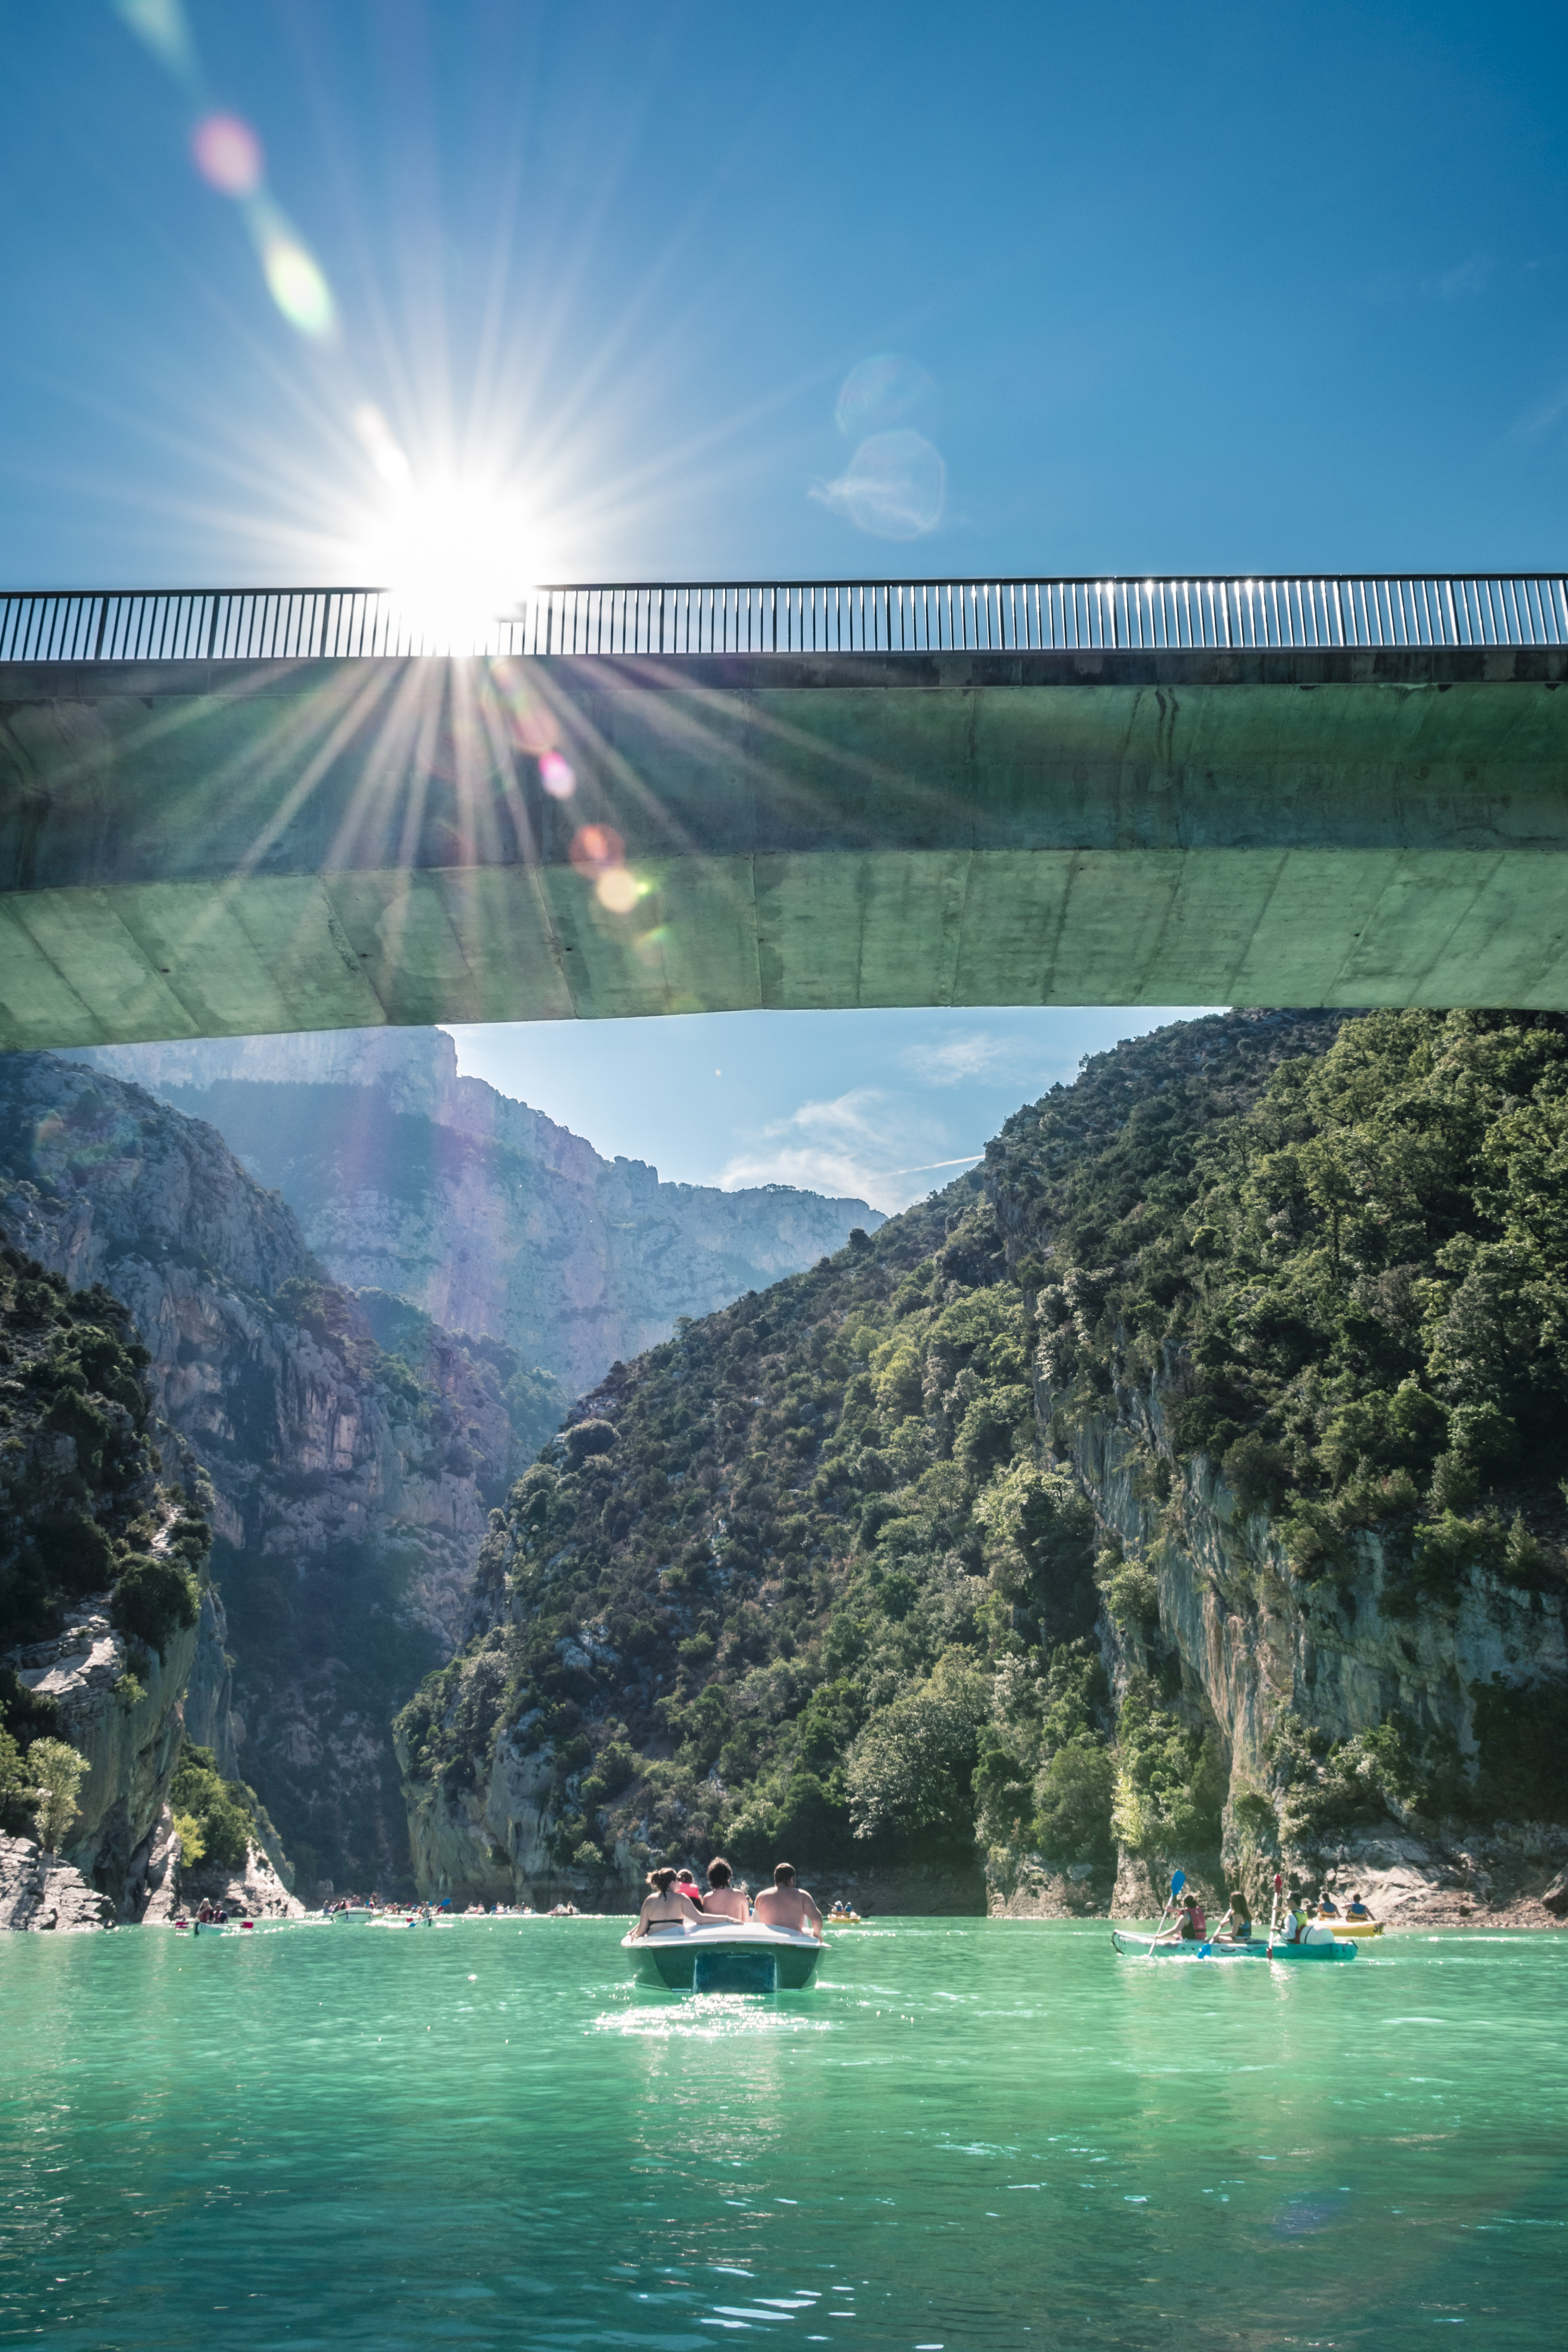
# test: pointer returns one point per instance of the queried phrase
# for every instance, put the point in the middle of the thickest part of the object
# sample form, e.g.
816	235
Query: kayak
1357	1927
1147	1947
725	1957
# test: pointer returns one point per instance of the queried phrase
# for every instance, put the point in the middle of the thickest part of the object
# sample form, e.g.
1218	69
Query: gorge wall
111	1635
346	1484
1184	1487
484	1213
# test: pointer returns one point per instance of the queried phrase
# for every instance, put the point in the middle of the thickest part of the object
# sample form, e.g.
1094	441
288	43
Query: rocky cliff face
1366	1685
349	1485
102	1615
118	1705
483	1211
1188	1489
1257	1654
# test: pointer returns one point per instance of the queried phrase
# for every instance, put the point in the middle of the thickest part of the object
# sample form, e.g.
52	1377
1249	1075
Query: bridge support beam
195	849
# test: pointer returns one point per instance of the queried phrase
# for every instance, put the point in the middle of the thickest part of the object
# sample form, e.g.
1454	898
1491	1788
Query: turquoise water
967	2134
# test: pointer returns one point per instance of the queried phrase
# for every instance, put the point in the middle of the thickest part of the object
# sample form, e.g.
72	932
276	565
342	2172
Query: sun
458	555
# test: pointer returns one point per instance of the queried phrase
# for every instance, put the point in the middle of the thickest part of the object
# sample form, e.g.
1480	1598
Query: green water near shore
967	2134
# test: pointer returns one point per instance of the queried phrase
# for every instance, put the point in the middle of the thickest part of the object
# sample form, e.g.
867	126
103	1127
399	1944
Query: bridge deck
196	847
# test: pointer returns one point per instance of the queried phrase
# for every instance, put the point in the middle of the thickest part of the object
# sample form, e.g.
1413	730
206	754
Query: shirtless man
723	1899
785	1904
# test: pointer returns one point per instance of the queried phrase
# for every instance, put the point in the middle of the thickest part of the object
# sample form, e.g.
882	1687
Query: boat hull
1146	1947
725	1960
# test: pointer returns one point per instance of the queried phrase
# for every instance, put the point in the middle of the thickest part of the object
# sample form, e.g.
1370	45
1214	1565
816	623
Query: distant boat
724	1958
1148	1948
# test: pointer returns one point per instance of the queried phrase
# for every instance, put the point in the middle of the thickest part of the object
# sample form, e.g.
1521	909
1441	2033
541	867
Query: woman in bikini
665	1908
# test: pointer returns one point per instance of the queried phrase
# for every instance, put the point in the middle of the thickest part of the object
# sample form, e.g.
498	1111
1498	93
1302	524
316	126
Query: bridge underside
195	850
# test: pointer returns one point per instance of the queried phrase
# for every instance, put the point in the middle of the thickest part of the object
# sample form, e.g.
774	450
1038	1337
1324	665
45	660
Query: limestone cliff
349	1485
104	1610
485	1213
1373	1681
1188	1487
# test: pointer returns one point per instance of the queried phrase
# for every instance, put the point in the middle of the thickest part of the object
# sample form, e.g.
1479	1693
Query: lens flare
298	287
883	393
894	487
161	27
456	554
619	890
596	849
84	1136
557	777
227	155
381	444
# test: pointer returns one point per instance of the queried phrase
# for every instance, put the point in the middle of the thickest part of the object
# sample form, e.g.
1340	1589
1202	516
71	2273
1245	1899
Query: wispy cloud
1462	282
843	1147
979	1055
1539	421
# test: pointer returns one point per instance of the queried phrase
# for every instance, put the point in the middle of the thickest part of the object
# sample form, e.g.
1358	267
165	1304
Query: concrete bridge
224	813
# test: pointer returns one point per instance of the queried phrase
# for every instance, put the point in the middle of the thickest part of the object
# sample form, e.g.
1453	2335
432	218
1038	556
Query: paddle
1274	1912
1178	1881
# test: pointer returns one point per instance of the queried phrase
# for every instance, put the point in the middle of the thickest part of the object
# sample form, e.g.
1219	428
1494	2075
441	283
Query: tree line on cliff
813	1577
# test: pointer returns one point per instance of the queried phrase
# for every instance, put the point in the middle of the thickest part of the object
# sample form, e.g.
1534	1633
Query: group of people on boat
678	1902
210	1915
1191	1925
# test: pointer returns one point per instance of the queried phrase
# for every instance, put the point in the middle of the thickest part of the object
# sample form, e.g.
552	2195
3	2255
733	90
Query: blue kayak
1146	1948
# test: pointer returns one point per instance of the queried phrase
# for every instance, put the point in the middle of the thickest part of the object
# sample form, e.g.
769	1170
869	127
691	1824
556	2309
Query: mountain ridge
958	1551
484	1212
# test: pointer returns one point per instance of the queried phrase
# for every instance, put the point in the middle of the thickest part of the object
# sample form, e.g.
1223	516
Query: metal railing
801	616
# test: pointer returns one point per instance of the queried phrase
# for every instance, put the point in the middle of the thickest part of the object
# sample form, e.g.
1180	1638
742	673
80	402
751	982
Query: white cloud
865	1145
980	1053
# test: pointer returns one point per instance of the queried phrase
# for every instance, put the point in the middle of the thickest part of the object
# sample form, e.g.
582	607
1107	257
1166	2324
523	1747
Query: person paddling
1236	1928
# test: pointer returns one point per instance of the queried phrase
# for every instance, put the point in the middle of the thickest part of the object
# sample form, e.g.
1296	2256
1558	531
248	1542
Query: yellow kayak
1355	1926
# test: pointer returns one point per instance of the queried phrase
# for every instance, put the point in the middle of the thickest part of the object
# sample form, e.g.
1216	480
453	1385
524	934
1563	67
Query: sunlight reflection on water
489	2136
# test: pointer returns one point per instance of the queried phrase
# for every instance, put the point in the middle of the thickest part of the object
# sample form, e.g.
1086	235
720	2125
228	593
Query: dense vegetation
218	1820
88	1518
808	1578
1353	1295
82	1520
799	1581
747	1597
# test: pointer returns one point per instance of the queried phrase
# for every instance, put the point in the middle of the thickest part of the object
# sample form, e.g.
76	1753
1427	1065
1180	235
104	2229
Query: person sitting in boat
1356	1909
723	1899
667	1908
1188	1926
1327	1907
785	1904
685	1884
1236	1928
1290	1925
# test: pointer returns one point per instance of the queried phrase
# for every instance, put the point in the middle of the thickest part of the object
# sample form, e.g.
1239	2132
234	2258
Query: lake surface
967	2134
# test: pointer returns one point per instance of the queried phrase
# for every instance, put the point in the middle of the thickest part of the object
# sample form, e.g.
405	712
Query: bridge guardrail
1055	614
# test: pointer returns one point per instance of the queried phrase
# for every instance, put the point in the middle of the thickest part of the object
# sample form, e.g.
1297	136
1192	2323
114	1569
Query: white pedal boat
724	1958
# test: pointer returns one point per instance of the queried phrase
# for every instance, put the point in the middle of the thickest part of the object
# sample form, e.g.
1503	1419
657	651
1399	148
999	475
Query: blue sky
686	292
883	1107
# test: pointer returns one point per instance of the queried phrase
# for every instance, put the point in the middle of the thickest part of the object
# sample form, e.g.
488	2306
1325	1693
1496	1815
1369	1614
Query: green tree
57	1772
